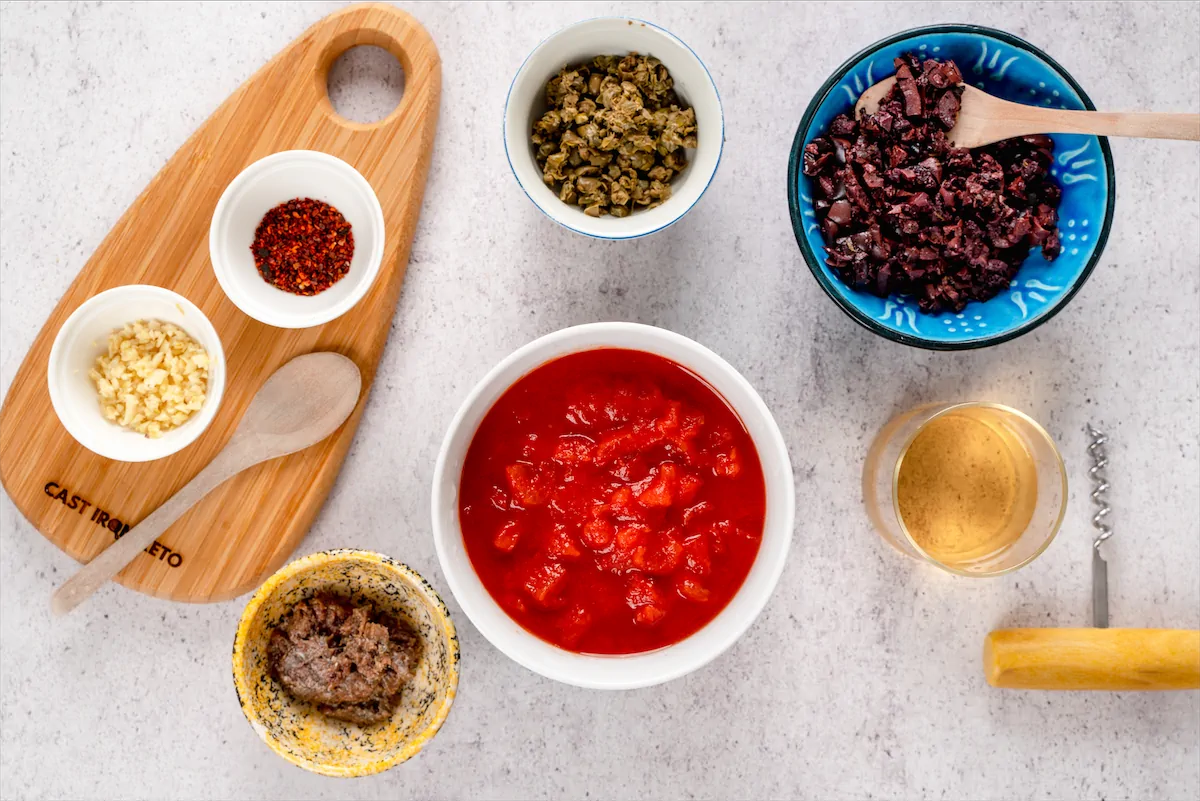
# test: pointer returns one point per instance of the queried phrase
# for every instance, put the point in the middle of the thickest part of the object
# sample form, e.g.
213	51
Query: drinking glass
1027	442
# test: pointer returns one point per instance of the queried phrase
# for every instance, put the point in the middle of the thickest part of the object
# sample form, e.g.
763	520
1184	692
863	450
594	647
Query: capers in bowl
615	134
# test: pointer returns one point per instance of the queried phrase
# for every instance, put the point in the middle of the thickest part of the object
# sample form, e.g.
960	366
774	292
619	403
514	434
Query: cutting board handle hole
365	84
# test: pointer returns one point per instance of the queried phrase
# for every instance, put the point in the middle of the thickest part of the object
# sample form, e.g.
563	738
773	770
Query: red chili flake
303	246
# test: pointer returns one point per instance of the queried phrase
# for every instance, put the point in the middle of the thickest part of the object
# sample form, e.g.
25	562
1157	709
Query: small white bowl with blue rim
580	43
1010	68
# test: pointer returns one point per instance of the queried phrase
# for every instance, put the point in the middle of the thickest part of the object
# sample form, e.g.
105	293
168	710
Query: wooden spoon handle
115	557
1093	659
1023	120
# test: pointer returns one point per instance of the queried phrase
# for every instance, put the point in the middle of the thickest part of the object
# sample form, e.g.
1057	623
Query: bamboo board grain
248	527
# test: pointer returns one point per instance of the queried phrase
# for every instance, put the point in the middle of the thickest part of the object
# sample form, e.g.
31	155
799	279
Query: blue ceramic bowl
1007	67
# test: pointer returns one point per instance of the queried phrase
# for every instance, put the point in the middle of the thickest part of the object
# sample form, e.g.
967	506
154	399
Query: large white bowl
633	670
601	37
84	337
261	187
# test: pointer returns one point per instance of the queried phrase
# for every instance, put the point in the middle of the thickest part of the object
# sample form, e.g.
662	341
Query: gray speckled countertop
862	676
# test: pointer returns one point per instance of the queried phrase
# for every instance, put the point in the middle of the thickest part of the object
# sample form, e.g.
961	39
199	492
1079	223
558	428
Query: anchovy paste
350	660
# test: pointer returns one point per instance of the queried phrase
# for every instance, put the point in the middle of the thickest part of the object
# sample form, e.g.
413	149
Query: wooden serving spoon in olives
984	119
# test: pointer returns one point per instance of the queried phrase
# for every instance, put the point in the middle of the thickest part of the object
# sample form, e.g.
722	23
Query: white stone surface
862	677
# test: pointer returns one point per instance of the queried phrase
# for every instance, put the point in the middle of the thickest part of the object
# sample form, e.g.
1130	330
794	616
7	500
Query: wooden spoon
301	404
984	119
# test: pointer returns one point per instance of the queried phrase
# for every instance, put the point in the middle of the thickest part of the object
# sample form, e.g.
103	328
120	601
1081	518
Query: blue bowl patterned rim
816	262
606	237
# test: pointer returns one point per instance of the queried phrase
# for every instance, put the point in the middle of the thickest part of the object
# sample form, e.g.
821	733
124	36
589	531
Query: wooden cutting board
246	529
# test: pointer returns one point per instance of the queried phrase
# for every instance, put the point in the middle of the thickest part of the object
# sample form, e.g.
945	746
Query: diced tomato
630	537
696	557
664	487
693	515
691	590
498	498
575	623
621	406
689	485
509	534
582	411
658	494
668	425
624	559
641	590
691	424
596	404
525	485
613	561
598	534
649	615
622	442
573	450
644	597
728	465
568	499
562	544
630	469
621	501
544	583
686	451
664	555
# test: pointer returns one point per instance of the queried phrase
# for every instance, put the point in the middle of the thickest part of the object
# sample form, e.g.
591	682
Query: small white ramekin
84	337
633	670
277	179
614	36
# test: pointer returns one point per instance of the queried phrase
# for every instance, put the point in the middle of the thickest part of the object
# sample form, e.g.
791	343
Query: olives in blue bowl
1008	67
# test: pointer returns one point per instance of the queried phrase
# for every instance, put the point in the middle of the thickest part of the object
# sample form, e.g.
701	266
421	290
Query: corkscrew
1098	658
1099	476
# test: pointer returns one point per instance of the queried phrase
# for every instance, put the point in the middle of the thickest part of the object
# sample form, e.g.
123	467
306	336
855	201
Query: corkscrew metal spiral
1099	475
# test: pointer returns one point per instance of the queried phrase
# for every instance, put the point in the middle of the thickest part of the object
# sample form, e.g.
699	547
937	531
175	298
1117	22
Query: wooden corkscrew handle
1093	659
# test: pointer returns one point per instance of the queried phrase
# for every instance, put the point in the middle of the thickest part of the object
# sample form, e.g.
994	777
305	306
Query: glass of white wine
978	489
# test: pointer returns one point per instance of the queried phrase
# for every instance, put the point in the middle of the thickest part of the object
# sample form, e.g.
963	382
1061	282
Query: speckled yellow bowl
305	737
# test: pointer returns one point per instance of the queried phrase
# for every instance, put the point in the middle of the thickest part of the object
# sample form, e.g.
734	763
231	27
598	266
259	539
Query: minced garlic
153	378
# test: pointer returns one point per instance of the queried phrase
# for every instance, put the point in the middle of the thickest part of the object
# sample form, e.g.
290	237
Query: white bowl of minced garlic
136	373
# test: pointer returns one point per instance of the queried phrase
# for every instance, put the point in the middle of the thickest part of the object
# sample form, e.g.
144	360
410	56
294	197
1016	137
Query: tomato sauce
612	502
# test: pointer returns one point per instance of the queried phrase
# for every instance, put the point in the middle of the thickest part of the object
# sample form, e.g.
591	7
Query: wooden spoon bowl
984	119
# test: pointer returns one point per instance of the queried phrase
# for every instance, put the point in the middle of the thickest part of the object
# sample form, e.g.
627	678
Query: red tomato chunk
525	484
508	536
611	502
545	581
